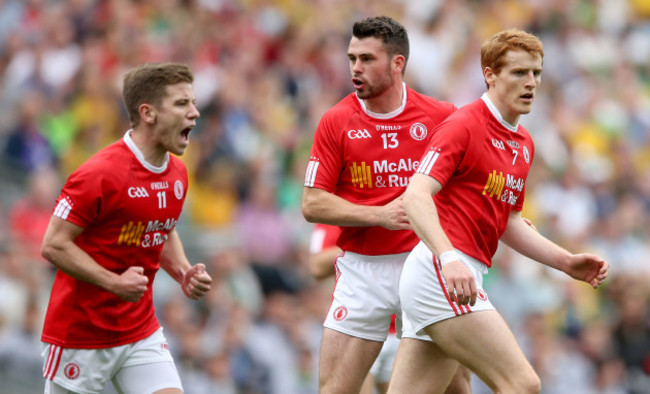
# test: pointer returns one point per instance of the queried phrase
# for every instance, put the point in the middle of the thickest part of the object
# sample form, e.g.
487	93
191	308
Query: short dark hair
147	84
391	33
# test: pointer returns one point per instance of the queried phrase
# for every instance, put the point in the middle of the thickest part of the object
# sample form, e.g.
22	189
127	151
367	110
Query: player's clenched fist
196	282
131	284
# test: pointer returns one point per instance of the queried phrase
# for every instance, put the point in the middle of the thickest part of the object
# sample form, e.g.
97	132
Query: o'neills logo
71	371
340	313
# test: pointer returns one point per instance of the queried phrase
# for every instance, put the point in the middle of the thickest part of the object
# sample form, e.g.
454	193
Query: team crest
340	313
178	190
418	131
526	155
482	295
71	371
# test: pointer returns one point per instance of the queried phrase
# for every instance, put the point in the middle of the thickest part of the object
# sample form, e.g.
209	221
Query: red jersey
482	162
368	158
126	207
323	236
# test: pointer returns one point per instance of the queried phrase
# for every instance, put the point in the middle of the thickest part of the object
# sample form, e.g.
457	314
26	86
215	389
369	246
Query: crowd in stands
265	72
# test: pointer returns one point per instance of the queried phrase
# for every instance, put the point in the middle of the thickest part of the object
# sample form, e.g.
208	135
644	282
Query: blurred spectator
30	215
20	348
27	148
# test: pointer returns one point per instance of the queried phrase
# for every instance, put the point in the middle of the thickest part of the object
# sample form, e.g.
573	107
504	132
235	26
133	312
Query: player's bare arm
194	280
524	239
422	212
58	247
321	264
319	206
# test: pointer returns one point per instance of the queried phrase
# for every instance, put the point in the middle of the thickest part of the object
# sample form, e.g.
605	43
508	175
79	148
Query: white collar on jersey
138	154
387	115
497	114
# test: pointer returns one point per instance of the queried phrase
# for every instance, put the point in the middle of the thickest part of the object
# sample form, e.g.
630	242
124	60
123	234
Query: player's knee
521	383
533	384
528	383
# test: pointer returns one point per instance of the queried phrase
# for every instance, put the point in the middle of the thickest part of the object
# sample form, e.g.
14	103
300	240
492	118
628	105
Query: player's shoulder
428	103
475	110
176	164
523	131
341	111
106	161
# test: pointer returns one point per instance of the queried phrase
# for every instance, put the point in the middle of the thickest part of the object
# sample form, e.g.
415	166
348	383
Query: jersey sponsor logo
63	208
418	131
385	166
391	168
358	134
159	185
157	225
361	175
138	192
515	184
383	173
131	234
340	313
178	190
71	371
503	187
310	174
381	127
154	239
494	184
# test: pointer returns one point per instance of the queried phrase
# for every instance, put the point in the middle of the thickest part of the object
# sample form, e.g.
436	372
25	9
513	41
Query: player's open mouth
527	96
357	82
185	133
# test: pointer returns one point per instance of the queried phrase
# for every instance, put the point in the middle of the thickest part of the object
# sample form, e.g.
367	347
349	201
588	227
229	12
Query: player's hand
461	286
589	268
394	217
132	284
196	282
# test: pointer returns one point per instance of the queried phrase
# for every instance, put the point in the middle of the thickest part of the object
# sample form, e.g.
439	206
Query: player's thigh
159	377
478	339
421	367
383	365
345	361
461	382
368	386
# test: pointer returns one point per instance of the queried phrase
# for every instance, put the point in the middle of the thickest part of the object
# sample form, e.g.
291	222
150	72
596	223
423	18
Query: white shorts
143	366
423	291
383	365
365	295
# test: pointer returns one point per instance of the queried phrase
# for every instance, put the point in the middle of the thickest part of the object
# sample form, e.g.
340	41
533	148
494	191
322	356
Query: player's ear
147	113
489	76
398	63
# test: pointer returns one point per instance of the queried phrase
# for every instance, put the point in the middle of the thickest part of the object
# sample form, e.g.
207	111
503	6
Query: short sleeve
445	152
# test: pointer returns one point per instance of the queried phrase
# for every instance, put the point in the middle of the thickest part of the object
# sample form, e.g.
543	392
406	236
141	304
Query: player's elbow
318	272
408	200
308	210
47	250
